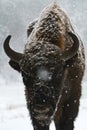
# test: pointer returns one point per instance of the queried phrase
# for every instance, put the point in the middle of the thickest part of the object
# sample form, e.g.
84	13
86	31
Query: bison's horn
69	53
15	56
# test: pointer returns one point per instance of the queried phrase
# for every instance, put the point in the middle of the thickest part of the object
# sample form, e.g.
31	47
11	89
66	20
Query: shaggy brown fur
51	73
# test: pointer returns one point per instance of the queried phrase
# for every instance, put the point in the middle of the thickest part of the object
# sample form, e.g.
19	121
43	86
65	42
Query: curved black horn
68	54
15	56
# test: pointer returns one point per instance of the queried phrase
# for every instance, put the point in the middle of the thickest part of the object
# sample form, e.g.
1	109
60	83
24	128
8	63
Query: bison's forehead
51	26
44	54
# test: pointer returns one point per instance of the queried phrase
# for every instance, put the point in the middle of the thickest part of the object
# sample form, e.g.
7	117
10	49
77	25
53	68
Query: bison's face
42	71
42	67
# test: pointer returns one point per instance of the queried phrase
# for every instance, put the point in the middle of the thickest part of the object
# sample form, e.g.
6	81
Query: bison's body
52	68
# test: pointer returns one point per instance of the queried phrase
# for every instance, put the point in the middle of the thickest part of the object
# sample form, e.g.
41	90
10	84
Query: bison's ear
14	65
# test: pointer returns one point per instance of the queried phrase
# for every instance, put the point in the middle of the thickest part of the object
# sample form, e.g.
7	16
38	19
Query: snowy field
14	114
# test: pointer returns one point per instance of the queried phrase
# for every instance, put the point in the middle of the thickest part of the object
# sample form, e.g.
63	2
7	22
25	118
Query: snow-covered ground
14	114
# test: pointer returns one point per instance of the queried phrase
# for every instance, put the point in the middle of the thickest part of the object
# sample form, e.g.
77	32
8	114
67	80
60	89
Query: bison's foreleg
65	119
70	112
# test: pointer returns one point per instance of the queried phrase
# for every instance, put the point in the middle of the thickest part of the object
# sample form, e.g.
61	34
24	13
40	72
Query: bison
52	67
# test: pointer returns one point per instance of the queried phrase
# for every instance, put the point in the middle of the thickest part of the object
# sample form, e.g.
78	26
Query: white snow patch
44	74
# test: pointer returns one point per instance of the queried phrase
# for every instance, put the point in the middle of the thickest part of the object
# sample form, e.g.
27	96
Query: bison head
42	67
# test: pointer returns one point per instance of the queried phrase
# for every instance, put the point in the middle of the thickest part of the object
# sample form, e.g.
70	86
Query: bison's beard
42	112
